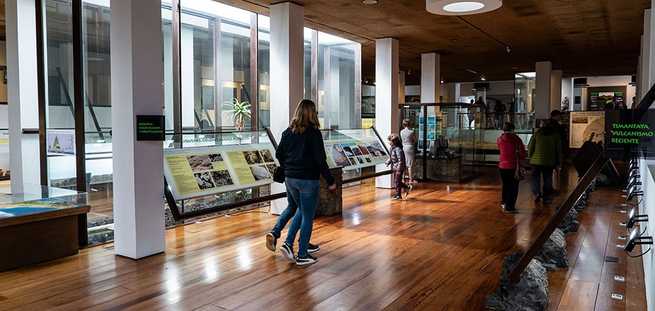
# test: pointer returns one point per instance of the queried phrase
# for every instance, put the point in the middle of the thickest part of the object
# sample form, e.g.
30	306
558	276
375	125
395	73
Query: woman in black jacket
301	154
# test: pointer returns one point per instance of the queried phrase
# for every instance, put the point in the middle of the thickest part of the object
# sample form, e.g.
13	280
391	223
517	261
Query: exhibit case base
40	225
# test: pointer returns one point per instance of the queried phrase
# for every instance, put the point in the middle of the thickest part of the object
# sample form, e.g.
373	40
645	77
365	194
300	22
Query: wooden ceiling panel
581	37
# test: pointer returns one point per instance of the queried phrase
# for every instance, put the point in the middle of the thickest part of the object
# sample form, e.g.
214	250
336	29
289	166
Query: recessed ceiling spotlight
461	7
370	2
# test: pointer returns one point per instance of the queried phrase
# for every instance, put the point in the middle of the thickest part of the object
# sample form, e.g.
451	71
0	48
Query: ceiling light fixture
460	7
370	2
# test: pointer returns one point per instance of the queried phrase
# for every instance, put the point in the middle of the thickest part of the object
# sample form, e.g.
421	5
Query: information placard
585	123
354	149
200	171
150	128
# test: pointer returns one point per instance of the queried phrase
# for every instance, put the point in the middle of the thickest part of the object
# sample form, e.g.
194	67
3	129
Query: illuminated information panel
354	149
200	171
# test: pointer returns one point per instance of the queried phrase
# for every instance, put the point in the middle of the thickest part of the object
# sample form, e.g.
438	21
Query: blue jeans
303	194
286	215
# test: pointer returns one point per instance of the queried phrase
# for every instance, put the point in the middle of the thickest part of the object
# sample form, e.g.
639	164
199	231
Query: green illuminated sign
150	128
630	133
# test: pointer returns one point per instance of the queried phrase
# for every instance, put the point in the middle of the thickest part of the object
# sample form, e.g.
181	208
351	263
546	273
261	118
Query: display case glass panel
35	199
209	164
354	148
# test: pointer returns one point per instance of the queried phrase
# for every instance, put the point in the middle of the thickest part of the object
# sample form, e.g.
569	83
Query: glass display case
217	171
35	199
447	142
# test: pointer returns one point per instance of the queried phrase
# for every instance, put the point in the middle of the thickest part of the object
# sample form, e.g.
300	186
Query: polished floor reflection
441	249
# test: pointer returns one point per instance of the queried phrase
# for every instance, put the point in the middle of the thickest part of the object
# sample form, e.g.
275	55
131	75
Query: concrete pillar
22	93
136	89
386	94
543	82
287	79
430	77
287	20
401	87
556	90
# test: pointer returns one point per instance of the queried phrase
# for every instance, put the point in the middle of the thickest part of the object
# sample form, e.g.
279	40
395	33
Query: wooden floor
439	250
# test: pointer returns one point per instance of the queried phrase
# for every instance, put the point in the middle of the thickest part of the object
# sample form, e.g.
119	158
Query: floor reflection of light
356	220
245	260
211	269
172	284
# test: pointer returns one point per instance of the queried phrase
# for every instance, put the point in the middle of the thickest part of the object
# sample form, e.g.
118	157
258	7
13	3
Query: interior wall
4	112
631	90
648	207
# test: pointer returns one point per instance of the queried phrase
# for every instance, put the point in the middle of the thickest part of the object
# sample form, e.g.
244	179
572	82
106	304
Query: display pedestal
330	203
39	237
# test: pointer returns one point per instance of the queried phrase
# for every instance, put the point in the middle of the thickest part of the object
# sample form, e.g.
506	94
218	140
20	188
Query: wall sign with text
150	128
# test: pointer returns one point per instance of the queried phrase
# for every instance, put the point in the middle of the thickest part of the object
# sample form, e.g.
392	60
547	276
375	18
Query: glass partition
525	84
215	62
339	82
215	66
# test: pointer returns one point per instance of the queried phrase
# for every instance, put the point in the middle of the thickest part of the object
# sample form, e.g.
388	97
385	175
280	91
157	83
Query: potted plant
240	112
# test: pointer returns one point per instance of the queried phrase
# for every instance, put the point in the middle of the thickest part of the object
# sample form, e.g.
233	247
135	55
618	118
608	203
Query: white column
287	20
430	77
556	90
542	102
386	95
401	87
22	93
287	60
136	89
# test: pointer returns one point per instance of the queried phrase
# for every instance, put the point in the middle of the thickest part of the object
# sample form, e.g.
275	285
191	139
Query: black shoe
287	251
306	260
271	241
397	197
311	248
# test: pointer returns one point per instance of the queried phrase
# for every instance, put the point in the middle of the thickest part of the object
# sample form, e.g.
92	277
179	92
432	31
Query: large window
339	82
215	64
216	78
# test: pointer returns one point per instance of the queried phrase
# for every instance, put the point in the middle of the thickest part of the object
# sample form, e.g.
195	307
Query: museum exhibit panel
138	152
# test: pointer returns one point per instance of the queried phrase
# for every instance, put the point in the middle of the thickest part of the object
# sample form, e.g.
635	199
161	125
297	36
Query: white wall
648	207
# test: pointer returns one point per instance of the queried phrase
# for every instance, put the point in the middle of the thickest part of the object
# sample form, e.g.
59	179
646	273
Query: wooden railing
556	220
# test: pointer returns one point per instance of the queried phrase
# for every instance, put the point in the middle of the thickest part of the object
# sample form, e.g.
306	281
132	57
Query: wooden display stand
35	238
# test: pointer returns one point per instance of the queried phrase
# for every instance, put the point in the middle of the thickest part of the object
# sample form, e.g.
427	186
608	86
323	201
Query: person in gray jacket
398	165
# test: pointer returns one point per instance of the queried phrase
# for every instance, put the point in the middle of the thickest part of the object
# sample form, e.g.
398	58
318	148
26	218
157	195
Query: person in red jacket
512	154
